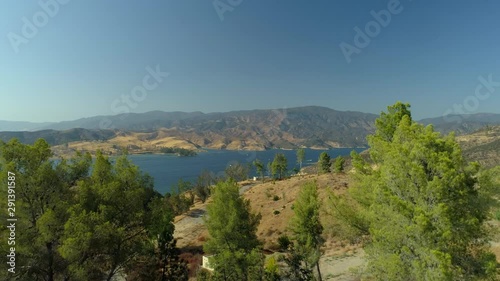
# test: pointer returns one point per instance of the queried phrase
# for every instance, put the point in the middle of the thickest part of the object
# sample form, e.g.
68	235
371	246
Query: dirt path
190	228
341	268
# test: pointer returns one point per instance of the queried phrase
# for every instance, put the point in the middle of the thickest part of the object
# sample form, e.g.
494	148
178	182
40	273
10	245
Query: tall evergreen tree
43	191
324	163
422	205
106	231
233	240
339	164
279	165
306	226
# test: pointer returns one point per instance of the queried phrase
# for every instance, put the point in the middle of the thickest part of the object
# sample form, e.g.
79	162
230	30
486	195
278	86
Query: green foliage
284	242
203	275
279	166
423	206
297	267
387	123
159	258
182	197
306	226
272	272
76	225
359	164
106	227
261	169
350	221
178	151
42	198
161	229
276	198
233	240
237	171
301	156
324	163
238	265
203	184
339	164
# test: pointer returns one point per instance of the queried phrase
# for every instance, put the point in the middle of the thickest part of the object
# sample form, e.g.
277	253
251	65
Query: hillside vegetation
410	208
482	146
311	126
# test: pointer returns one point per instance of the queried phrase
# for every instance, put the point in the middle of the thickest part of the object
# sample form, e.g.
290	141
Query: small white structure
254	178
206	264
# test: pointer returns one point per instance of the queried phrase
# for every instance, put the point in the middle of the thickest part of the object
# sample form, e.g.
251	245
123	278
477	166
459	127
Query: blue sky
263	54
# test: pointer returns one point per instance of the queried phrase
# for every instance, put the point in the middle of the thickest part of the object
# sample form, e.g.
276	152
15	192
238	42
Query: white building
206	263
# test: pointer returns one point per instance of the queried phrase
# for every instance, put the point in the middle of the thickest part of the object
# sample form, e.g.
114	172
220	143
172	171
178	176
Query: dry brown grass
191	232
134	142
273	225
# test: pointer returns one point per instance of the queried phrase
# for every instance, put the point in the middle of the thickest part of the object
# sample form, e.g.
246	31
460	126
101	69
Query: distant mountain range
462	124
311	126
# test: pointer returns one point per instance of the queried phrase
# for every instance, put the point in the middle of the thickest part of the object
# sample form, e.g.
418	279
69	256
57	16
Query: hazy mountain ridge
54	137
310	126
462	124
22	126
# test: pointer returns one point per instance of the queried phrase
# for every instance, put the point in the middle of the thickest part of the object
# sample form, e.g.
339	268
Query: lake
168	169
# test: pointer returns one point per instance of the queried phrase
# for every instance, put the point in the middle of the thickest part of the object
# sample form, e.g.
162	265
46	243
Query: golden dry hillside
134	142
267	198
482	146
272	200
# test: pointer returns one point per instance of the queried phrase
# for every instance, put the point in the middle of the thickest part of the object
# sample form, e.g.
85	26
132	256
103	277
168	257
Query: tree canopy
421	204
78	220
279	166
324	163
306	226
233	240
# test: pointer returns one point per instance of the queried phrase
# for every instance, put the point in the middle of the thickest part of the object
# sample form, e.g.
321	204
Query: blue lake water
168	169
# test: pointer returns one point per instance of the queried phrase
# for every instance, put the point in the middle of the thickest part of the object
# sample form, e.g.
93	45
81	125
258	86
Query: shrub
283	242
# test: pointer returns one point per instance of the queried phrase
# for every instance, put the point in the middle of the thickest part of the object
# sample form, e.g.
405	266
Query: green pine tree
422	205
233	240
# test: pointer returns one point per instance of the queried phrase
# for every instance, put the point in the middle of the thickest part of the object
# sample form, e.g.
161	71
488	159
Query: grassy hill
310	126
313	126
274	202
482	146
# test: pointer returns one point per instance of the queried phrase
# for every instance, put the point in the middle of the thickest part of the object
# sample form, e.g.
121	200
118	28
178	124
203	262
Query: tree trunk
50	273
319	272
111	274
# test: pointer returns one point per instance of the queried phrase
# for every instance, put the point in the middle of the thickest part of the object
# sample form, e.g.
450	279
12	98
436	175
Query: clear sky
85	55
